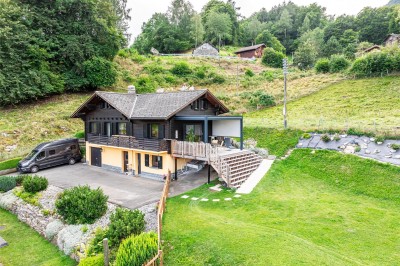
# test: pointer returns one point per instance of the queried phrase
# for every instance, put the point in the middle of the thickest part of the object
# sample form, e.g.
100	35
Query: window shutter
161	134
146	160
159	162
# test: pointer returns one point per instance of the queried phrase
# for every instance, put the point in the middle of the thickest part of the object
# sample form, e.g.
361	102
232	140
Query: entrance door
126	161
139	171
95	156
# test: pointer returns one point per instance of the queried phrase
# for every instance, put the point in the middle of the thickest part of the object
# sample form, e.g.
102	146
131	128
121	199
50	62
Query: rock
364	146
342	147
7	200
377	151
388	156
379	143
3	243
4	134
10	148
343	136
367	151
396	157
393	151
53	228
300	144
68	238
372	139
349	149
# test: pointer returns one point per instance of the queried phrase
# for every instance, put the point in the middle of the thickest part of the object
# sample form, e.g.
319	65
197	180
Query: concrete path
190	180
248	186
128	191
368	148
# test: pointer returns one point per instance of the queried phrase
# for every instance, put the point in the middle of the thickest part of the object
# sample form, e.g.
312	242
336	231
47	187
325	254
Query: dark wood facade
255	51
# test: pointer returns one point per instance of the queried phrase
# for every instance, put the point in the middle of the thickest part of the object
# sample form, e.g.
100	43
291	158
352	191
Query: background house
392	39
206	49
255	51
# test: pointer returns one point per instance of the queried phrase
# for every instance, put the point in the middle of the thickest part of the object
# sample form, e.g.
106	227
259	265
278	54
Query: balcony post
205	133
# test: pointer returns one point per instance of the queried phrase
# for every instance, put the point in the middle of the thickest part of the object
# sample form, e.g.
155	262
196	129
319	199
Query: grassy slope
311	209
27	247
30	124
351	103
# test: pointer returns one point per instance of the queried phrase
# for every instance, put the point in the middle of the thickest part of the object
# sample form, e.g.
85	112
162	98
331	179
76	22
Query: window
52	152
154	131
121	128
105	105
204	104
93	128
40	156
156	161
146	160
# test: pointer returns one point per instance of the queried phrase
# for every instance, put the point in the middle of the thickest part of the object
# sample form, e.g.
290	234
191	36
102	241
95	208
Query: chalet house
255	51
206	49
149	135
392	39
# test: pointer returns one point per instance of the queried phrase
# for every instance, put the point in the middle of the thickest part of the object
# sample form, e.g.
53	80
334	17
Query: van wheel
71	161
34	169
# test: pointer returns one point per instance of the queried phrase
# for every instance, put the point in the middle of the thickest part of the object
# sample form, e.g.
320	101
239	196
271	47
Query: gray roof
249	48
150	106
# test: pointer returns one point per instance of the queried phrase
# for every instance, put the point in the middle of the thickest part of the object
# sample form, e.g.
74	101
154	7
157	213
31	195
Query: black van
49	154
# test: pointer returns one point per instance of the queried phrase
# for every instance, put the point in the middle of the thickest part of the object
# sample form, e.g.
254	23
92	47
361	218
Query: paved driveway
128	191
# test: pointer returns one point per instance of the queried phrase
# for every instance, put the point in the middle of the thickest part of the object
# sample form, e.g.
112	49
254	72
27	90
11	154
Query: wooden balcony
130	142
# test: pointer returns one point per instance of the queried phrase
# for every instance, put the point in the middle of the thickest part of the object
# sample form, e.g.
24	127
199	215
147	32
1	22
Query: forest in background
55	47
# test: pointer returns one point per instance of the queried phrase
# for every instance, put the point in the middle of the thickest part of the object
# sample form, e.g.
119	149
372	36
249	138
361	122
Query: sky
143	10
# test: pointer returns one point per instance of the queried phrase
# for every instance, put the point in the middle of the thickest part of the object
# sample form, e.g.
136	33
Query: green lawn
278	142
311	209
27	247
364	104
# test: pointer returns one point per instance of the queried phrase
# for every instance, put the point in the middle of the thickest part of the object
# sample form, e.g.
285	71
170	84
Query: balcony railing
130	142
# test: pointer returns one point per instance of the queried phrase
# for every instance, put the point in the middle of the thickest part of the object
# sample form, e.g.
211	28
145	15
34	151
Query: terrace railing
130	142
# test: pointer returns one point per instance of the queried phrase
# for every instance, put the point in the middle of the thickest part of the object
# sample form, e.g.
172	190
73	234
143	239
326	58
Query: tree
47	43
218	27
332	47
306	25
229	8
305	56
270	41
253	28
272	58
197	31
373	24
315	38
180	14
336	27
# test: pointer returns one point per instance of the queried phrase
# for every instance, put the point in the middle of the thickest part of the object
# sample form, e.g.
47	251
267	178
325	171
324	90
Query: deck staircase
234	166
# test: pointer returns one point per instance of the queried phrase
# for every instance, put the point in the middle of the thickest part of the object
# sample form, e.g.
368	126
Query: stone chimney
131	89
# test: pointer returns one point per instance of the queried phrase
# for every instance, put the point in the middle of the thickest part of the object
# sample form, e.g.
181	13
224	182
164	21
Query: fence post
106	252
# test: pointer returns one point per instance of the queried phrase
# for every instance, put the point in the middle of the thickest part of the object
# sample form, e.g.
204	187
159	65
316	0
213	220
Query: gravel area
362	146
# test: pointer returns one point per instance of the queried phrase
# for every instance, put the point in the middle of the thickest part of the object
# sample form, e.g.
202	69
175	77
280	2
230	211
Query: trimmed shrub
272	58
96	244
19	179
325	138
322	66
33	184
28	197
81	205
338	63
136	250
97	260
7	183
395	146
123	223
181	69
306	136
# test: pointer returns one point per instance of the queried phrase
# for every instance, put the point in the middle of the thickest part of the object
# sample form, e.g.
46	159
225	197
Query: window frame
157	161
157	131
125	129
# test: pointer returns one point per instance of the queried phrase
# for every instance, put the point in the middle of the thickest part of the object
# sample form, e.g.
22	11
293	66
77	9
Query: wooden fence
158	259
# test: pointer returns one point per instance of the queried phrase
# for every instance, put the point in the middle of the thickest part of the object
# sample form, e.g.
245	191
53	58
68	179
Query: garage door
95	155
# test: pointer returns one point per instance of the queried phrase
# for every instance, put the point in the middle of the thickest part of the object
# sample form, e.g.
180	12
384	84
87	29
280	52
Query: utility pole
237	77
285	72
